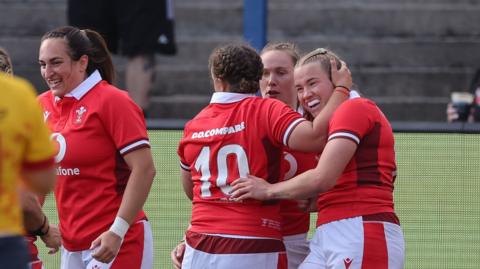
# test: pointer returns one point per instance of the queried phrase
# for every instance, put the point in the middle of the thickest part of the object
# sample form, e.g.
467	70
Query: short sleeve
181	154
124	121
281	120
352	120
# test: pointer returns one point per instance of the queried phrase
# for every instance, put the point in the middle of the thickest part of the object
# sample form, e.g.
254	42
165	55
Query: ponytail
99	57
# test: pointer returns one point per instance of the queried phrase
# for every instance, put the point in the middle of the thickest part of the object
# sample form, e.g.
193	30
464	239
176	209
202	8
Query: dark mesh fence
437	196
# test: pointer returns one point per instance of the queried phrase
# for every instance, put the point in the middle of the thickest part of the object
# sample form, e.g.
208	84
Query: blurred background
407	55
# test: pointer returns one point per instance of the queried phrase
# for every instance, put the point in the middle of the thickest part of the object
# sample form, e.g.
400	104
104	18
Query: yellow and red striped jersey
24	144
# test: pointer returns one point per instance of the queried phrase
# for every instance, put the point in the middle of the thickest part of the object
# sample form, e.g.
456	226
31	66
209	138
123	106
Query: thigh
195	259
343	243
395	245
137	248
316	258
13	252
355	244
383	246
232	252
71	260
297	249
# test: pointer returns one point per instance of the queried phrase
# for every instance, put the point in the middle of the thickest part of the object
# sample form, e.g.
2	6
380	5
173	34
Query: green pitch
437	198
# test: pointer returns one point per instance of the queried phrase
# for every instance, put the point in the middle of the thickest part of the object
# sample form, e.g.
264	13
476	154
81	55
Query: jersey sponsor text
220	131
68	171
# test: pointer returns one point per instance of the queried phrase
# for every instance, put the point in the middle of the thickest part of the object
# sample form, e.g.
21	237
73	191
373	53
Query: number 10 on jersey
202	165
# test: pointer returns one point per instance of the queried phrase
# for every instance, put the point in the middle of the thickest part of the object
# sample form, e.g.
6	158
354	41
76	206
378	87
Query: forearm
32	210
320	123
136	194
40	181
312	136
338	152
187	184
307	184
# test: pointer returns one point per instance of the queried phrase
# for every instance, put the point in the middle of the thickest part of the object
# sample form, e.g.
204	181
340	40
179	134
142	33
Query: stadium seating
407	55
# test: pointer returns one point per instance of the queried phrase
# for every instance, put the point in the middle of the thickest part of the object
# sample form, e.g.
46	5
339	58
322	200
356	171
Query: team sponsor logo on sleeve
220	131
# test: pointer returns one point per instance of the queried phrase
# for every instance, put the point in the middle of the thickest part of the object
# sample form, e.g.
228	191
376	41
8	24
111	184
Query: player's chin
274	96
315	111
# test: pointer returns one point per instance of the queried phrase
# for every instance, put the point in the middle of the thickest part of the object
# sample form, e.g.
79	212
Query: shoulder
16	88
265	105
110	97
356	104
45	96
360	101
105	90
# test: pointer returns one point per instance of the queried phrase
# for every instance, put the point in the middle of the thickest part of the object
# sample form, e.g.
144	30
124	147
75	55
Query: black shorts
13	252
130	28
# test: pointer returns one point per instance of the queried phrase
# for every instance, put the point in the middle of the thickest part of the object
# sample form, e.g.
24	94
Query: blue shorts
13	252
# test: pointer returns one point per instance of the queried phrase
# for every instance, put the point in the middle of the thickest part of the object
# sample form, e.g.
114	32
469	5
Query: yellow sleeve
39	149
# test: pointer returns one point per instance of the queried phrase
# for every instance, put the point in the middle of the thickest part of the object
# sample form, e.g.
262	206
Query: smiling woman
313	82
105	165
67	57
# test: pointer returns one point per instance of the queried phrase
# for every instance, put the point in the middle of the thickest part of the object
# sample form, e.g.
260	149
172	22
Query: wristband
39	232
119	227
342	90
341	86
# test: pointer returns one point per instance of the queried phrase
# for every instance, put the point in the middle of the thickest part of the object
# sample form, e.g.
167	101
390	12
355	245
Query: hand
108	244
304	205
308	205
250	187
452	114
52	239
177	255
342	76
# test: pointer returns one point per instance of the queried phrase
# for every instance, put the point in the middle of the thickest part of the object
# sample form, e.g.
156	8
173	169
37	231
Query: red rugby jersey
236	135
366	185
94	126
295	221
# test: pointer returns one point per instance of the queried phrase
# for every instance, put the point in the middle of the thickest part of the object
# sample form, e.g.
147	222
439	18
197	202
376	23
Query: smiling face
313	87
277	79
61	73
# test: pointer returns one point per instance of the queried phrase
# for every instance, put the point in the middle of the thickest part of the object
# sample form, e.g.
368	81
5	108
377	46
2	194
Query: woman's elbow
326	184
151	172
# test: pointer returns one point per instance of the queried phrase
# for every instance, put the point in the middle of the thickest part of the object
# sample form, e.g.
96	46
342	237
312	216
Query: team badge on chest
80	114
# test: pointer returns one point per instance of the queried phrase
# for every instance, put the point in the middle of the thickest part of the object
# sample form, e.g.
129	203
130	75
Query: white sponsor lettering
220	131
67	171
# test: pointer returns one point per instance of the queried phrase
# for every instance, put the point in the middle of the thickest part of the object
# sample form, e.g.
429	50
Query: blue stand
255	22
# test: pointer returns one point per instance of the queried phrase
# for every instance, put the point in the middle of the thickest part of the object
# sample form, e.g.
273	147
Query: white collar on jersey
354	94
85	86
229	97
